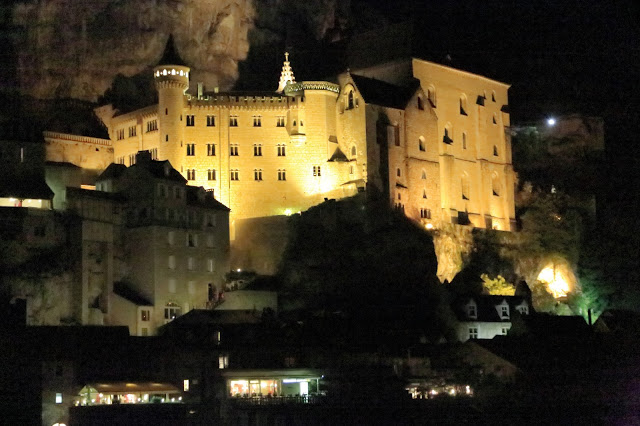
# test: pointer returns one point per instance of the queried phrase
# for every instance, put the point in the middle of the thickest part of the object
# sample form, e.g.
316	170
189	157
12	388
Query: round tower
171	79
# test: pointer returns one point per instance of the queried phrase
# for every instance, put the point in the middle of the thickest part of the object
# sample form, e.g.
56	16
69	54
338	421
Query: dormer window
504	311
523	309
472	312
350	100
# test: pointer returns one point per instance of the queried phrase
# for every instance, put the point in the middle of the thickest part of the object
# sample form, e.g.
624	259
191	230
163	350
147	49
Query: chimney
143	157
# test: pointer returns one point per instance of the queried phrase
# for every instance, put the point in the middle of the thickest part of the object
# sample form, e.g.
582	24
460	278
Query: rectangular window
132	159
233	150
58	398
257	150
425	213
471	310
145	315
192	240
211	174
132	131
172	285
235	175
505	331
257	174
317	171
210	220
191	287
280	121
191	149
145	331
281	150
210	265
185	385
172	262
233	121
209	240
282	174
257	121
191	174
504	311
211	120
191	263
171	312
211	150
223	361
473	332
152	125
191	120
120	134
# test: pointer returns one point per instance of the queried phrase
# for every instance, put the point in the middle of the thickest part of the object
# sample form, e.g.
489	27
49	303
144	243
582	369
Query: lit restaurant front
128	393
274	386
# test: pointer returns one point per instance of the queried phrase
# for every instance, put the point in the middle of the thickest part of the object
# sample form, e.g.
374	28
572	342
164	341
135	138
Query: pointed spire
286	76
170	55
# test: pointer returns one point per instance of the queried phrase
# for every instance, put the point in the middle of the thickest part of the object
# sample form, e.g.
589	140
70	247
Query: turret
286	76
171	78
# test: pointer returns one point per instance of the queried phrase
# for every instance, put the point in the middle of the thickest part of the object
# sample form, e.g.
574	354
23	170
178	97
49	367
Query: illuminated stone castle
438	149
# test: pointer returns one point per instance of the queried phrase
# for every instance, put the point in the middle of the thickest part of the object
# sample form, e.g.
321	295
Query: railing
277	400
77	138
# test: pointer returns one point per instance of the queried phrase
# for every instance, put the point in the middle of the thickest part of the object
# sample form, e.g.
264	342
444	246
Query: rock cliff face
75	48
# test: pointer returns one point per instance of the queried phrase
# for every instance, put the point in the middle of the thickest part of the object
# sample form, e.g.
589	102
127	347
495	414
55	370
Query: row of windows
431	97
191	266
234	174
152	125
164	191
233	121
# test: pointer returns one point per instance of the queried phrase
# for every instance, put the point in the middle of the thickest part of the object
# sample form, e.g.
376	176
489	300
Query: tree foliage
497	286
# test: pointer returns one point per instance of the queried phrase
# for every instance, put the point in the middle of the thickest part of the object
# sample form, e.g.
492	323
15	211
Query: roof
384	94
486	307
618	320
124	291
339	156
32	187
170	55
215	317
71	191
208	200
555	325
113	171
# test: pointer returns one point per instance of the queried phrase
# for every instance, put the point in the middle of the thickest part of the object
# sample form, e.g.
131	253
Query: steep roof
170	55
160	170
124	291
113	171
339	156
193	199
384	94
25	187
486	307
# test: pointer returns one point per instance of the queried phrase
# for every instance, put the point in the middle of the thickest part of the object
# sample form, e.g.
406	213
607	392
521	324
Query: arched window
464	184
424	175
431	95
421	144
495	184
448	134
350	100
353	151
463	104
424	193
495	151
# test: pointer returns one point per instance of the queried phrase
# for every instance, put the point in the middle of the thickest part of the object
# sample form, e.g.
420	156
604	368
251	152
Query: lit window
191	149
185	385
473	332
171	311
282	174
257	150
191	120
223	361
145	315
211	149
233	121
257	174
211	120
58	398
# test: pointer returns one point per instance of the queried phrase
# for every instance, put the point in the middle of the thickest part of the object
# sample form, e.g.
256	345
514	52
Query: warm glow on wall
556	280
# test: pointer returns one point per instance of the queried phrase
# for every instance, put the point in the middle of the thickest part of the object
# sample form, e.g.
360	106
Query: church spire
286	76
